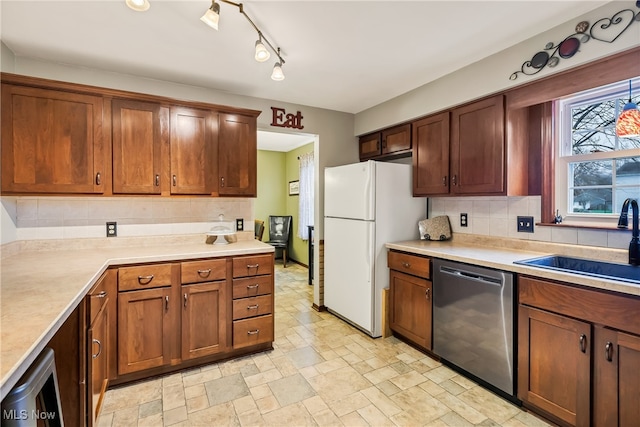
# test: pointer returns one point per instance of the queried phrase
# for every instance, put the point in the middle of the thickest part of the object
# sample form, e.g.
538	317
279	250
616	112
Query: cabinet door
411	307
369	146
431	155
204	318
97	360
51	141
616	394
554	364
396	139
477	148
137	146
237	155
193	139
145	328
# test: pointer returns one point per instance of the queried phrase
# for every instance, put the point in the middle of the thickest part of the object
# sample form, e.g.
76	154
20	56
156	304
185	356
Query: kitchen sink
607	270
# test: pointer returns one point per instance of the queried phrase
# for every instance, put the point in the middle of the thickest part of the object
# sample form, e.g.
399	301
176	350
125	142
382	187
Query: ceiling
340	55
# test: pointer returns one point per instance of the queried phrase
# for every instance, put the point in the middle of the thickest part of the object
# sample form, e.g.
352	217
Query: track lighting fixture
212	16
138	5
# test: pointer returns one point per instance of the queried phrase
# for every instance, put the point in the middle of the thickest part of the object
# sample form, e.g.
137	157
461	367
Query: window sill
583	225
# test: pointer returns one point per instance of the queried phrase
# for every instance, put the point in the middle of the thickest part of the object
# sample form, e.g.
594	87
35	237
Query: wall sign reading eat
280	118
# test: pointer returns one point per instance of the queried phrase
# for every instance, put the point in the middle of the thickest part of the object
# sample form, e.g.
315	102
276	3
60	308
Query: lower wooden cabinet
146	323
555	364
410	297
411	308
616	379
204	317
579	354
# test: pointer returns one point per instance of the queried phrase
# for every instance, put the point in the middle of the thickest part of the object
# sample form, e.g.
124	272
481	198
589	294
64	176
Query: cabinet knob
608	352
98	179
157	180
583	343
406	265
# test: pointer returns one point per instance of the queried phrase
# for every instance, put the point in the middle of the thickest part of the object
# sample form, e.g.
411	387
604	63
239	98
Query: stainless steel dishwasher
473	318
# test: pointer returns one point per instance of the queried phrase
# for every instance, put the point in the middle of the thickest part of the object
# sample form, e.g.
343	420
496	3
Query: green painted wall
275	170
272	192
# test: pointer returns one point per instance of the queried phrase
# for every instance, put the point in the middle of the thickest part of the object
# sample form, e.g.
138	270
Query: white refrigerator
366	205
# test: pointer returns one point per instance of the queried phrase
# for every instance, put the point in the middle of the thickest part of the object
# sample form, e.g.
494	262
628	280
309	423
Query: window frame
563	148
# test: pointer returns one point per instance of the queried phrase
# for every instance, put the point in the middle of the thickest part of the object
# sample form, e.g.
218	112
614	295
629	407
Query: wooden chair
259	229
279	234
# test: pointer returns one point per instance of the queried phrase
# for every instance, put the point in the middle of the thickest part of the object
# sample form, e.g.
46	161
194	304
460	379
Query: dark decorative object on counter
605	30
558	218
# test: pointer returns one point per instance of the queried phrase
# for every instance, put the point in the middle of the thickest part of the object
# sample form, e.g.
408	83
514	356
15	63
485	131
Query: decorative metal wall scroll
604	30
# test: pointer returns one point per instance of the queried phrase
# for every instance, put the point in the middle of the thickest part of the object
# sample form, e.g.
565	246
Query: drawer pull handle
252	307
253	287
166	303
95	341
427	292
175	180
98	179
157	180
204	273
254	332
253	265
406	265
583	343
102	294
185	300
608	352
444	180
145	280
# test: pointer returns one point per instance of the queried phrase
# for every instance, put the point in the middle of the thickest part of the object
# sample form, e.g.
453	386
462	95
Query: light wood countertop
500	254
39	288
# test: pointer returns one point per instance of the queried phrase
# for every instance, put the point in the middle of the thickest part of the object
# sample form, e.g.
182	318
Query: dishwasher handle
471	276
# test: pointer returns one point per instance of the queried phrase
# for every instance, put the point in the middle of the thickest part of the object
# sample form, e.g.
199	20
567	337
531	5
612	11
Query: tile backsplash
497	216
80	217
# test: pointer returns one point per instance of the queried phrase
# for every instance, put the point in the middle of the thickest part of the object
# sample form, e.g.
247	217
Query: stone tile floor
321	372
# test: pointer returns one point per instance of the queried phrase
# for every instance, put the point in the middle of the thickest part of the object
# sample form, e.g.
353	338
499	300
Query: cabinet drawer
253	306
144	277
252	286
252	265
410	264
203	271
256	330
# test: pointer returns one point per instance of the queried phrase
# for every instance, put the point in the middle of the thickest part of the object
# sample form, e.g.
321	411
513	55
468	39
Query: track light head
138	5
212	15
262	54
277	73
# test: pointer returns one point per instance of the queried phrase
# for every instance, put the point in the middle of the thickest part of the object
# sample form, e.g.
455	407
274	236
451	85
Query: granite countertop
501	253
42	284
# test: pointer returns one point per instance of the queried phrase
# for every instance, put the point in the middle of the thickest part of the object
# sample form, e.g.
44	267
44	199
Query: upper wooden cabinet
461	152
237	155
431	155
51	141
137	146
389	143
66	138
193	143
477	148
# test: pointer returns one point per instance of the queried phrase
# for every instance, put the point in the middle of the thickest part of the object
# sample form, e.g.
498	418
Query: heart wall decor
605	30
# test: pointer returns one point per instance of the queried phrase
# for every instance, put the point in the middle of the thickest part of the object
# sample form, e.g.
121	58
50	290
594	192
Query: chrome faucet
623	222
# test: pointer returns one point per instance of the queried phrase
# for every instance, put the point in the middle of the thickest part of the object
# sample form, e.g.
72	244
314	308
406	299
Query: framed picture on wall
294	188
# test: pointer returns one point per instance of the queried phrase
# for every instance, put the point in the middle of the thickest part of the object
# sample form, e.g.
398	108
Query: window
596	171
